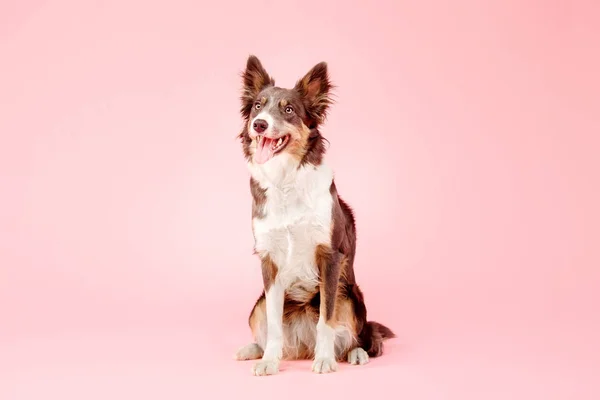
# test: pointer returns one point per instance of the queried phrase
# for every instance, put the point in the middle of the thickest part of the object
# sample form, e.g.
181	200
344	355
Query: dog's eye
289	110
257	106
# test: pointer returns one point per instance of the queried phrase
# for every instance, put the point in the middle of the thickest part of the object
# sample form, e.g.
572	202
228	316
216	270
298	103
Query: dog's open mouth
266	147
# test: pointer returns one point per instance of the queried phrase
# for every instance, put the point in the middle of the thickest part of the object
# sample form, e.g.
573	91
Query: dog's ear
315	88
255	79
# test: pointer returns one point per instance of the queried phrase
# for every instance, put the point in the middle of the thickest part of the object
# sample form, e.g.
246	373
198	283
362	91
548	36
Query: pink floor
479	362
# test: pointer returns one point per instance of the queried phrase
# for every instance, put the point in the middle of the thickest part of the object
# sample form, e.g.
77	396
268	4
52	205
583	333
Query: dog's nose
260	125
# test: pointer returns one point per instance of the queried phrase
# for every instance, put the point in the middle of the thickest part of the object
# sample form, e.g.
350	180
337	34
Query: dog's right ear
255	79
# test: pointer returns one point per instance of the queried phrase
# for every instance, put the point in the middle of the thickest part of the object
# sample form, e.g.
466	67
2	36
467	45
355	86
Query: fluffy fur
305	234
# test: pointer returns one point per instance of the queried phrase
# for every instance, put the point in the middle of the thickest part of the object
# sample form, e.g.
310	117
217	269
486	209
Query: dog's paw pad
249	352
358	357
266	367
324	365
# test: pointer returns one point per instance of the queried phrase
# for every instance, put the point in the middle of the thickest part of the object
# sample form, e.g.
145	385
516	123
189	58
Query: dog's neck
281	172
284	173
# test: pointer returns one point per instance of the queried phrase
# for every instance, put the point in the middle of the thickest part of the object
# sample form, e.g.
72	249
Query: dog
304	233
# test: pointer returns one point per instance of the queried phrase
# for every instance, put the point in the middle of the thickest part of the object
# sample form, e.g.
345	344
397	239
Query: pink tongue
264	151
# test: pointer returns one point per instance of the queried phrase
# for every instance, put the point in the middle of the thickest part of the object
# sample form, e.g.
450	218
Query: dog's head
283	121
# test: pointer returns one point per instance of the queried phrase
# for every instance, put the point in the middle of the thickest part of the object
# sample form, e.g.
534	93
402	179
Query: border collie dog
304	233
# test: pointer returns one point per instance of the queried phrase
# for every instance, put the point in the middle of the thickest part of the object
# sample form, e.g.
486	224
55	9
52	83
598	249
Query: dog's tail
375	334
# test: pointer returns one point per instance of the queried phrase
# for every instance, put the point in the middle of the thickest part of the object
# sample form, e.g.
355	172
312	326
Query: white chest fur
298	216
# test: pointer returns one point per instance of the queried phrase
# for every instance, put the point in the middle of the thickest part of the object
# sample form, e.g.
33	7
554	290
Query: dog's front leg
274	296
328	263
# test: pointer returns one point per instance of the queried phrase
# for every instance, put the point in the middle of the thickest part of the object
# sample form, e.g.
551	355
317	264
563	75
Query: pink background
466	137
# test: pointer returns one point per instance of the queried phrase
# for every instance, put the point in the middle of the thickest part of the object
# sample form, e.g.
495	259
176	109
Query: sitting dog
304	233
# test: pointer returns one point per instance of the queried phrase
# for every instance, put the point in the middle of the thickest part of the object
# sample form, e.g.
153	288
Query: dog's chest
297	218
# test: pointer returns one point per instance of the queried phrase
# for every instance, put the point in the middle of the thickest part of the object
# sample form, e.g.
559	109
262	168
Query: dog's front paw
266	367
324	365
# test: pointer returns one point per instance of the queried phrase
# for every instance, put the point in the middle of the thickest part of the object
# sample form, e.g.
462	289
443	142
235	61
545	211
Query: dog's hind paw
358	357
249	352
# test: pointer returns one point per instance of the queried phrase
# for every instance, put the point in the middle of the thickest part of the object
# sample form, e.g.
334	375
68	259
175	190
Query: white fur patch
298	218
325	340
274	304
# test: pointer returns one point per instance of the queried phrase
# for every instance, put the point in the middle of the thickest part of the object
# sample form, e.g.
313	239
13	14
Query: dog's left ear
315	88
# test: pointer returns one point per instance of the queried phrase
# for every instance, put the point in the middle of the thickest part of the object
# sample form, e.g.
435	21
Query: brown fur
259	197
255	79
315	87
328	262
299	149
269	271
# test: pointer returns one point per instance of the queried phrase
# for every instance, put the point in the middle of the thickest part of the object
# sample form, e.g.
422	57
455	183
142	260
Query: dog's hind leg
257	322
